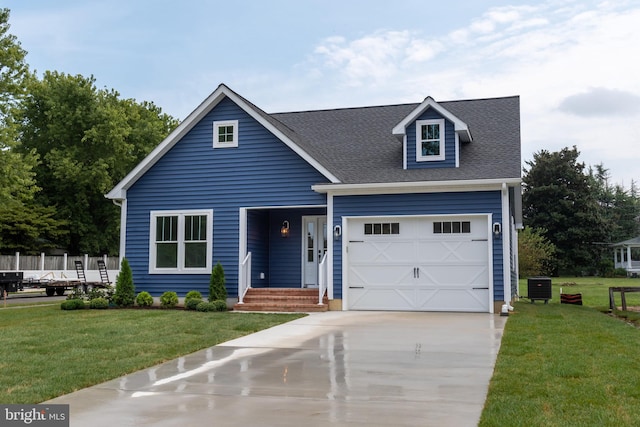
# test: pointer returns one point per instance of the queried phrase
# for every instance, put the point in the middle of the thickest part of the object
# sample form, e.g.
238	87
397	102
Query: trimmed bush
221	305
192	304
217	290
72	304
168	299
144	299
99	303
217	305
192	299
125	294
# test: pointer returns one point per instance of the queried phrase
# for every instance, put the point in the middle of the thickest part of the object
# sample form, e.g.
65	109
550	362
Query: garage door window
382	228
451	227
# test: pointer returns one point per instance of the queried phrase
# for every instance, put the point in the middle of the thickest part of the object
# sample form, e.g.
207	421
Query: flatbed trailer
14	281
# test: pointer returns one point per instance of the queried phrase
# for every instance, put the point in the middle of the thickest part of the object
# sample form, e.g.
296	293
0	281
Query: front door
314	246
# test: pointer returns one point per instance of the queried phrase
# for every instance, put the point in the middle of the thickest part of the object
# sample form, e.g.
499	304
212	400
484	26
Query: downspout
506	240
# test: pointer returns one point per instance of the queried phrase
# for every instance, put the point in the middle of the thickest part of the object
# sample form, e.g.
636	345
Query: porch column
628	257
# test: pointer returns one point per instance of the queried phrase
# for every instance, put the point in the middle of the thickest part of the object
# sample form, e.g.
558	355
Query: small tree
217	290
125	294
535	253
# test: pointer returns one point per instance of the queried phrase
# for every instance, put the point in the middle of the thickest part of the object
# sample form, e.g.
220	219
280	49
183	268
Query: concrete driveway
334	368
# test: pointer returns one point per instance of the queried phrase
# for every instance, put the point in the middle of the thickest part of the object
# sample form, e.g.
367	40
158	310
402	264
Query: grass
46	352
565	365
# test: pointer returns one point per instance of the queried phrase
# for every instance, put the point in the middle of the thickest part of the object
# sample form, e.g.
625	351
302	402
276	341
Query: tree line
64	143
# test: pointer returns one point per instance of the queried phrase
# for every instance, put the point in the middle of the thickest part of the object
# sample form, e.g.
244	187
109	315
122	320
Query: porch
627	256
284	263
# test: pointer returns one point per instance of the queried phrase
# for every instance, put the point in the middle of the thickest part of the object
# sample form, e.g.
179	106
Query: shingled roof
357	146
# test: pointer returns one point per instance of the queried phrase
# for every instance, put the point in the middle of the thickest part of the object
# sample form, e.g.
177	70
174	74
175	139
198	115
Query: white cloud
546	53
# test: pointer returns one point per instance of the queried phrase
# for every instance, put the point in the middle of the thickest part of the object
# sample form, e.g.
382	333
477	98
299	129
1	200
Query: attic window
225	134
429	140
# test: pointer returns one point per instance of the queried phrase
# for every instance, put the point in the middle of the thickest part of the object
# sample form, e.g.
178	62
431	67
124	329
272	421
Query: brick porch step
282	300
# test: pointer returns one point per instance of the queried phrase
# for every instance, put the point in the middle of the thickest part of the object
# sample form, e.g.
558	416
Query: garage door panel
453	274
383	299
380	275
452	251
453	300
377	251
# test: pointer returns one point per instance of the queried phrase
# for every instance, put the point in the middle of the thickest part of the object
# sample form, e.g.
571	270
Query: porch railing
322	279
244	284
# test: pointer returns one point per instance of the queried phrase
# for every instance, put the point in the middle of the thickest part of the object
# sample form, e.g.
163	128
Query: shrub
72	304
168	299
125	290
144	299
217	305
220	305
99	303
192	299
192	295
217	290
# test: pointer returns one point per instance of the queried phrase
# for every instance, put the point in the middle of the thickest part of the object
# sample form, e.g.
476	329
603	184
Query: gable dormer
431	137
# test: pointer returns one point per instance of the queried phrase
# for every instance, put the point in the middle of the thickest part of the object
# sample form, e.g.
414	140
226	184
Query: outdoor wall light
337	232
497	229
284	230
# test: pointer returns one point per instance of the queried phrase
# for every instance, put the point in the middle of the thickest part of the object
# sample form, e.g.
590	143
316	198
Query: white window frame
181	214
229	144
431	158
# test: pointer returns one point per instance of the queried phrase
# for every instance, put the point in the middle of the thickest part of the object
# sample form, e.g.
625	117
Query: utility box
539	288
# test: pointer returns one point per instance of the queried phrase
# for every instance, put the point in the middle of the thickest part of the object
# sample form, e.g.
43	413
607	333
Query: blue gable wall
450	144
262	171
485	202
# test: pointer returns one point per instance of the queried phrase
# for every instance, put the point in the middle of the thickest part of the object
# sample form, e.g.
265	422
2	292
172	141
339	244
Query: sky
574	64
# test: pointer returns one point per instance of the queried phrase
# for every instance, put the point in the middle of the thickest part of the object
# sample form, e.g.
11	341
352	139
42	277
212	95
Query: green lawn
46	352
564	365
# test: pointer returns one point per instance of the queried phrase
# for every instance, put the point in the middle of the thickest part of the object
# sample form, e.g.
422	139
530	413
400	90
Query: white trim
123	230
506	243
118	192
415	187
404	152
459	126
180	268
242	243
217	124
457	147
330	246
345	253
441	140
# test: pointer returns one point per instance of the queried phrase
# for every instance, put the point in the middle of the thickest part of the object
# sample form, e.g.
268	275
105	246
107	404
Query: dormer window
225	134
429	140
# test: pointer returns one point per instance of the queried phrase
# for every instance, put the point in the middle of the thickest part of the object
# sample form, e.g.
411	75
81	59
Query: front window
430	140
181	242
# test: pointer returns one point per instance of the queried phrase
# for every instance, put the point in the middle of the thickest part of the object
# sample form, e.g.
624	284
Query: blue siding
485	202
262	171
450	144
258	245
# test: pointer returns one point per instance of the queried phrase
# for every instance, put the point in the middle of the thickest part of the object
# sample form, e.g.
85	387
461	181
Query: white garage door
418	263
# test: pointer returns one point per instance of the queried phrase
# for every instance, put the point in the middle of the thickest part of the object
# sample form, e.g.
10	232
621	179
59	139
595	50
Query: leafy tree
535	253
217	290
125	294
559	197
620	208
87	140
24	225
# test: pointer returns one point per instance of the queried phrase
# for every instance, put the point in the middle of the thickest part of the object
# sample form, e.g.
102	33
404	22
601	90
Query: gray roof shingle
357	146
